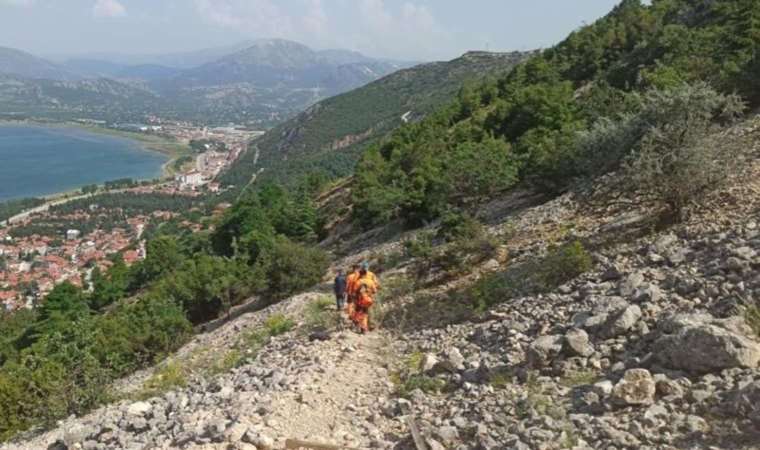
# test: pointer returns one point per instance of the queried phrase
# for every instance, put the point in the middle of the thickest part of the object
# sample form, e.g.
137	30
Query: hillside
642	345
568	254
98	98
274	63
330	135
260	85
21	64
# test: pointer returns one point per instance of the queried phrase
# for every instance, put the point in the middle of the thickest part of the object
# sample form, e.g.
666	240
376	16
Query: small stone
139	408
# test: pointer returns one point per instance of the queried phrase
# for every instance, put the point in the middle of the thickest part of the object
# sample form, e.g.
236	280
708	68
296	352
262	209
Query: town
32	264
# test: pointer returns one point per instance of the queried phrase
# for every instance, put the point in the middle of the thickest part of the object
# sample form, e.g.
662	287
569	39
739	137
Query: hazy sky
402	29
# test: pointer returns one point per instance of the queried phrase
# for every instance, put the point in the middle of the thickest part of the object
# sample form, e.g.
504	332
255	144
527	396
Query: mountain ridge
353	119
258	85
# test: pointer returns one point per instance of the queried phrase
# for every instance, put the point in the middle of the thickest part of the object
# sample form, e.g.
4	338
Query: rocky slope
651	349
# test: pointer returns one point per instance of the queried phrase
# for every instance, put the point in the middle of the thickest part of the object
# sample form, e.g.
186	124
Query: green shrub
14	401
421	246
320	314
682	157
490	290
425	383
462	254
456	225
752	316
290	267
562	264
278	324
169	377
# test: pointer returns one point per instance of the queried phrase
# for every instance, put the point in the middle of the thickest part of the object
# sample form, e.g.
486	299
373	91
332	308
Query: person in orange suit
352	287
368	287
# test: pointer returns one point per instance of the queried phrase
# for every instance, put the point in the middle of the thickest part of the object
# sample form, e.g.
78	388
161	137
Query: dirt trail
350	377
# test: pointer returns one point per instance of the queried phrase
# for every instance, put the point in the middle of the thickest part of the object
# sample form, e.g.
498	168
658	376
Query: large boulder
543	350
637	387
577	343
700	344
620	321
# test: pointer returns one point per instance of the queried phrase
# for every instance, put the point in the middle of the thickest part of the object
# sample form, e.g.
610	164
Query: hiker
368	286
351	289
339	286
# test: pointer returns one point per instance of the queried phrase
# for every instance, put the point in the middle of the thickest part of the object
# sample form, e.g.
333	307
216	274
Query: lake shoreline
149	143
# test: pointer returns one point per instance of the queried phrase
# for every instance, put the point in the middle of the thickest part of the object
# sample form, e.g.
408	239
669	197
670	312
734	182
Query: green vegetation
278	324
320	314
309	142
560	265
12	207
683	156
169	377
614	93
409	378
752	316
61	359
462	243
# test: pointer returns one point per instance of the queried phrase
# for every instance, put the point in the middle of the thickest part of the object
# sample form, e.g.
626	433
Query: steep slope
21	64
612	357
269	81
559	116
330	135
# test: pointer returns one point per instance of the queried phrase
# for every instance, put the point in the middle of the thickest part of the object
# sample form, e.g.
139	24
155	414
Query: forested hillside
330	136
614	91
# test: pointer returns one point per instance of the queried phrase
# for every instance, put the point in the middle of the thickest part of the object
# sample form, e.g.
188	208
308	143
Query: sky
414	30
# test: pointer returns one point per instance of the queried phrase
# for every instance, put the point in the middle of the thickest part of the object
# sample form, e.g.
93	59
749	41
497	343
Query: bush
456	225
290	267
320	314
490	290
682	157
670	147
562	264
424	383
464	253
169	377
278	324
421	246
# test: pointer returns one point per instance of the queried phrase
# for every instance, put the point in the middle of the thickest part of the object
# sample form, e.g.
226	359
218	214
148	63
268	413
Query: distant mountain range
260	83
21	64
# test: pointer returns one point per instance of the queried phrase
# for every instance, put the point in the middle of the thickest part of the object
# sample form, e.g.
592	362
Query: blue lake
37	160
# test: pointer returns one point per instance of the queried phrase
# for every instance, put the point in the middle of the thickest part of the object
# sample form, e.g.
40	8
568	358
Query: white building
190	180
73	234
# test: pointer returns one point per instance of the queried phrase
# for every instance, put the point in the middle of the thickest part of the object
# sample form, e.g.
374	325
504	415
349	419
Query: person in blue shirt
339	287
